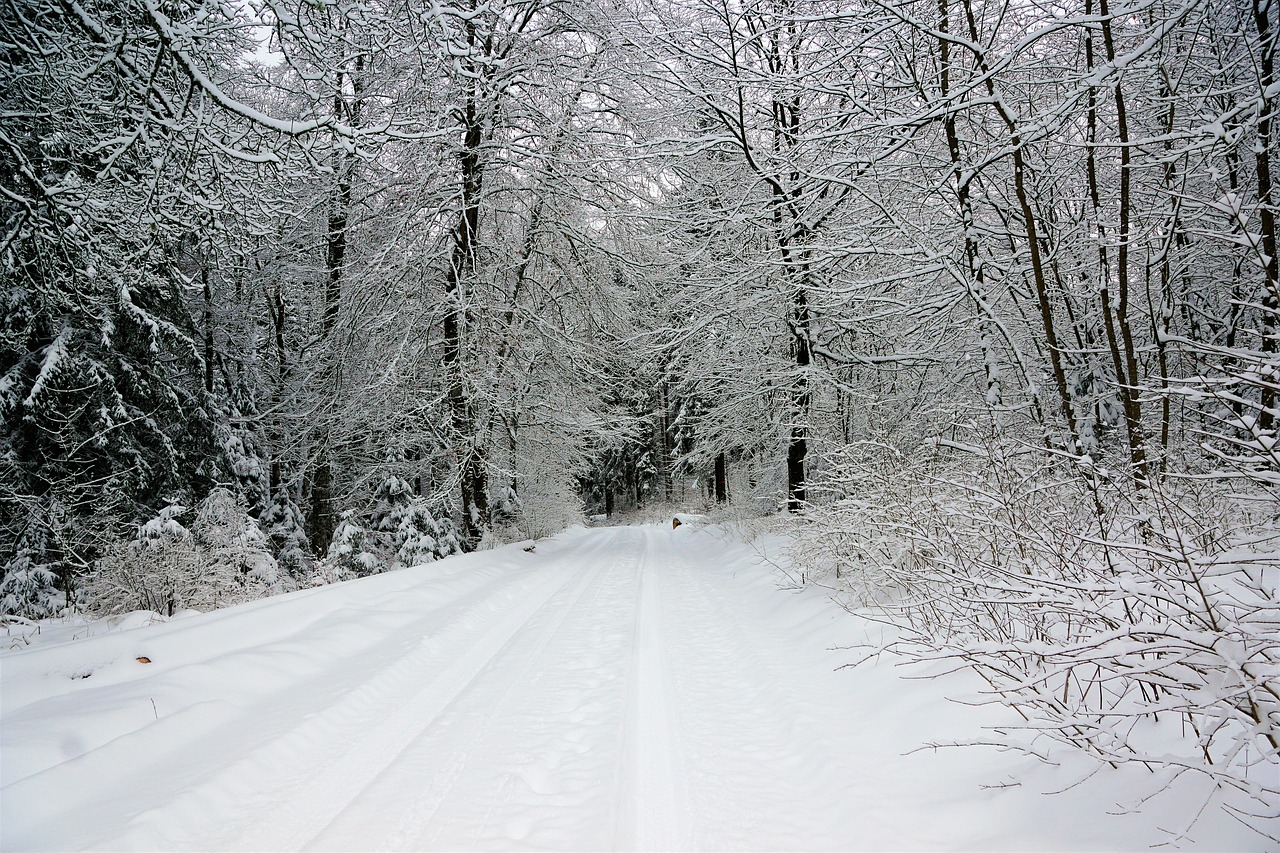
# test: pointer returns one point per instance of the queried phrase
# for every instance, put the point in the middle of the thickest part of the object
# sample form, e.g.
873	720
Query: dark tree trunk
323	517
473	470
276	307
722	478
1263	11
1176	238
976	284
798	443
1038	275
322	520
1124	356
662	443
335	253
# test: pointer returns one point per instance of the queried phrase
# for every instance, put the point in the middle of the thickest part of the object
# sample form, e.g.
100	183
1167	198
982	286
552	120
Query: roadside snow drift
633	688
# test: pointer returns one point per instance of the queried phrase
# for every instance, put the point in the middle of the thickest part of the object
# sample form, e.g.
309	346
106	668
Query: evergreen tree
102	414
407	530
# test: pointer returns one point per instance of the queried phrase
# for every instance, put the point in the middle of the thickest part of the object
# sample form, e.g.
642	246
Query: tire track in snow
577	669
300	781
652	794
772	769
375	750
331	656
444	759
580	605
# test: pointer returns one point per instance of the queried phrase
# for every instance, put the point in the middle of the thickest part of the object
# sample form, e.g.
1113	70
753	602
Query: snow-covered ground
617	688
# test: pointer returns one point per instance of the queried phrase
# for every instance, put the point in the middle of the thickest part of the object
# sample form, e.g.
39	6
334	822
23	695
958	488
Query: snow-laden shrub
401	531
1139	624
156	570
1234	393
221	559
27	588
352	554
506	511
48	542
247	466
407	528
505	506
286	530
549	503
232	541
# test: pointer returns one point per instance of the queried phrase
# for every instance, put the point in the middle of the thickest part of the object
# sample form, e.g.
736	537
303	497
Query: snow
626	688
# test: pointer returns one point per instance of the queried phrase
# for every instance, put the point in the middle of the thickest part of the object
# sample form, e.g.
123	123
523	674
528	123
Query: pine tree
407	530
101	409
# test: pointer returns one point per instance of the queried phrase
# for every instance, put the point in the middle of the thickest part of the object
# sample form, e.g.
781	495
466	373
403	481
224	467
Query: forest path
619	688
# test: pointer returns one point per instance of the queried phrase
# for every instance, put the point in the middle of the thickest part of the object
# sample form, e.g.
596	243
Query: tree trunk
1263	10
1039	279
472	466
322	520
798	442
1124	356
722	478
323	517
1161	318
976	282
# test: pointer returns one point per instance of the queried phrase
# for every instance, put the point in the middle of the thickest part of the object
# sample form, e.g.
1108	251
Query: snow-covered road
633	688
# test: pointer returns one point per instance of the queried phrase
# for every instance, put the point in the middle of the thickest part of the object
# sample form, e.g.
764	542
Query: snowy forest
981	296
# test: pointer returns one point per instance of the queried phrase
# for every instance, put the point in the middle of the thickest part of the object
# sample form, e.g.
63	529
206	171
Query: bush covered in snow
352	554
1139	623
222	558
232	542
548	504
283	523
408	528
27	588
543	495
400	531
